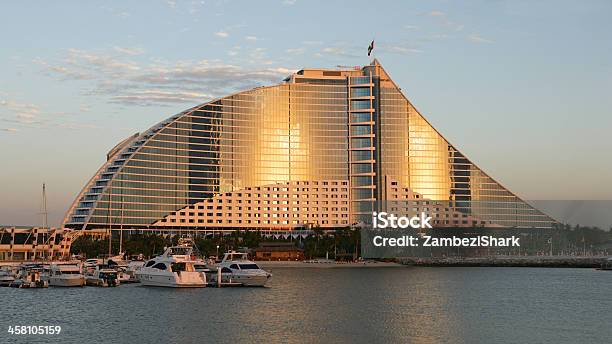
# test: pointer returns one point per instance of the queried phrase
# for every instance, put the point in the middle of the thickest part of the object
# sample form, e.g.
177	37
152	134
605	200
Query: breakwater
508	261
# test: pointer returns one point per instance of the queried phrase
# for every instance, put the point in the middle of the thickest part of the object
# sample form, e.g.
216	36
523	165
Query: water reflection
405	305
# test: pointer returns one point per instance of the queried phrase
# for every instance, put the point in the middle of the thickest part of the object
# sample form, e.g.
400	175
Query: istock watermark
384	220
391	235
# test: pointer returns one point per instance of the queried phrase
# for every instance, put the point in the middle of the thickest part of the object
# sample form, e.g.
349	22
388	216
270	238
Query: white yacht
243	271
66	275
176	267
101	276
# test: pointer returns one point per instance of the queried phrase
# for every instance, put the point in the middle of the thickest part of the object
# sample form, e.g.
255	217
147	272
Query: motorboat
174	268
114	260
30	277
240	270
66	275
121	267
92	262
606	264
6	278
101	276
122	275
131	269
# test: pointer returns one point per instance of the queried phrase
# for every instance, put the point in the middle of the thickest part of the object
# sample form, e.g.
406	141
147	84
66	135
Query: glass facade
351	126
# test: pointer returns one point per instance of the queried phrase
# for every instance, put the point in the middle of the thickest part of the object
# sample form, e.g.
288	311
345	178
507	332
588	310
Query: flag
370	48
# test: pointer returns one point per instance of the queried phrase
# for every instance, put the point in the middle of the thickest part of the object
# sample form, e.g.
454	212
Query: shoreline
496	261
508	261
327	265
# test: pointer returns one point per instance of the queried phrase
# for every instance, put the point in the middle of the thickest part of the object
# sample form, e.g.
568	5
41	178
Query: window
234	266
160	266
249	267
149	263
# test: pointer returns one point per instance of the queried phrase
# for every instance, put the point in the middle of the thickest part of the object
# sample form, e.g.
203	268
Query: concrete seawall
509	261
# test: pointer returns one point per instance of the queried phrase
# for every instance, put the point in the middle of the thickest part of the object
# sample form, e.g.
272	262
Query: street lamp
217	251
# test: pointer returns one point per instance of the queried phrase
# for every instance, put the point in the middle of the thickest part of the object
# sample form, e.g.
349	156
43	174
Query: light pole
217	251
551	245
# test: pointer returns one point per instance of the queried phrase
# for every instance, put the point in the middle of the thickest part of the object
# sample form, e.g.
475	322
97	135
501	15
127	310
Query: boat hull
250	280
67	282
172	280
5	282
96	282
22	284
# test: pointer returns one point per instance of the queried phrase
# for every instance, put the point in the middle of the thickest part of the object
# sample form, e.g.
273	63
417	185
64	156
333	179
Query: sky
520	87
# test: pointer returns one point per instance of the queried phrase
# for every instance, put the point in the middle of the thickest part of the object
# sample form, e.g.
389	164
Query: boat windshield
248	267
180	251
176	267
73	272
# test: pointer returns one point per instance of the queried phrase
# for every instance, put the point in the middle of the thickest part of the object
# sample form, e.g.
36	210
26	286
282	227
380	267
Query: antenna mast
44	207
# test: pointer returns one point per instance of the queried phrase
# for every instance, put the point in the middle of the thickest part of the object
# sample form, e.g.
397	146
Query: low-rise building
278	251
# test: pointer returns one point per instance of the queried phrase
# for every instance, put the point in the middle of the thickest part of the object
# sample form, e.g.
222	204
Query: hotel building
323	148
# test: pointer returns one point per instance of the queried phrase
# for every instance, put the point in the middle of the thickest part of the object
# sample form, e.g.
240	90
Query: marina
177	267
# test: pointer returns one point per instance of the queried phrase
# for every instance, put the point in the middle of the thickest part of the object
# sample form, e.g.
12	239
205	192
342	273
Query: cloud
438	36
295	51
476	38
342	49
87	65
289	2
411	27
334	50
26	115
397	48
77	126
437	14
19	113
221	34
152	97
251	38
161	82
258	53
65	72
129	51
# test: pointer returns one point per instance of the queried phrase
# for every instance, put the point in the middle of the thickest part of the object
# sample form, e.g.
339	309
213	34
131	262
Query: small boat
30	277
121	267
175	268
101	276
66	275
92	262
131	270
606	264
6	278
236	268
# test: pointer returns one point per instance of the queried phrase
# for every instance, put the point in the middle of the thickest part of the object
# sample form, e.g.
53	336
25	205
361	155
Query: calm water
408	305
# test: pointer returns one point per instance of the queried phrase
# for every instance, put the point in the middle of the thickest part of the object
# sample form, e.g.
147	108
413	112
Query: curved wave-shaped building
324	148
